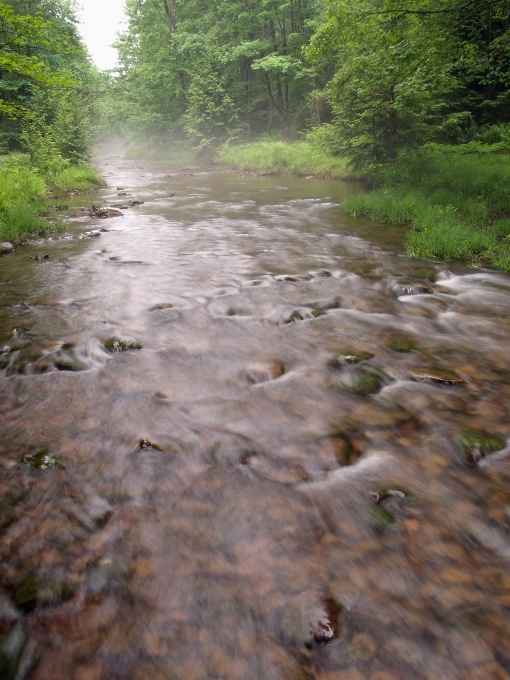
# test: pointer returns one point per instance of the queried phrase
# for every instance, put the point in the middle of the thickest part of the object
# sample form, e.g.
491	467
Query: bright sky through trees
100	21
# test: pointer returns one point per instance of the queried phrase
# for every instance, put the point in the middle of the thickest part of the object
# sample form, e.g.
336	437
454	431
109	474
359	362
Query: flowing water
245	437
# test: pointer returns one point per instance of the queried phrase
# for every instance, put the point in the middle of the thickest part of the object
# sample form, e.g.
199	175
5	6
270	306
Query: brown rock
367	644
382	675
6	248
260	373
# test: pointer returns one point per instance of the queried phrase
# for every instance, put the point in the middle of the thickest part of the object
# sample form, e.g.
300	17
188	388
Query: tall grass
24	192
296	158
457	205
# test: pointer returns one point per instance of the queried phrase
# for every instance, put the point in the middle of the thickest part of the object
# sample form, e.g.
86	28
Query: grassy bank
456	201
25	193
296	158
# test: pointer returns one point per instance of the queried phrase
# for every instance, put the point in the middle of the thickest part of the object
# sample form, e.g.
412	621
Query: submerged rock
82	213
113	345
69	363
347	446
349	357
405	287
475	446
32	591
400	343
6	248
363	380
42	460
40	257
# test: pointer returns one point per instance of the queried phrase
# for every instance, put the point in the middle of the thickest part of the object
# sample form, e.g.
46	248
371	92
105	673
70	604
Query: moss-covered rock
475	446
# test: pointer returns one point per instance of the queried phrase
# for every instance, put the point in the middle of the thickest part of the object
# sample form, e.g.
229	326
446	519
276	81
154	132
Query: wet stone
6	248
348	357
402	288
325	305
362	380
114	345
261	373
43	460
437	377
475	446
40	257
347	446
163	305
33	591
374	416
401	343
286	277
66	362
325	621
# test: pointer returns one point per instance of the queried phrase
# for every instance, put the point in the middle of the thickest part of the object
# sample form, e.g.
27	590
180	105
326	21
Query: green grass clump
457	205
25	191
296	158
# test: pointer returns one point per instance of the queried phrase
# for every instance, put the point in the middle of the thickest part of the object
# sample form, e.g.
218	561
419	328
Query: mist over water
244	436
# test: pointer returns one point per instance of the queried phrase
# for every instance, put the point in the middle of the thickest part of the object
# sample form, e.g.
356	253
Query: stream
245	437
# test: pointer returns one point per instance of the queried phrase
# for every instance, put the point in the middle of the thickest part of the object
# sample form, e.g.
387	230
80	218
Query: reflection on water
245	437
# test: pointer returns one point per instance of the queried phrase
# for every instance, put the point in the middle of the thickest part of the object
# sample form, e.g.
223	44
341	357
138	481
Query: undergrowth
25	192
456	204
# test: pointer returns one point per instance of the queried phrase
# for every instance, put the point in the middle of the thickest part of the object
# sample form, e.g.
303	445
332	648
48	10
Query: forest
412	96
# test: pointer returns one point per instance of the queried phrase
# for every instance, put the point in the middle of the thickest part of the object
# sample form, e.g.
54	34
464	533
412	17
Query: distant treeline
364	79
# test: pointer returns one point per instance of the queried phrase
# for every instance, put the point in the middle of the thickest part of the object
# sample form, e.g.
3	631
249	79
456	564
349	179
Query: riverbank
292	158
27	196
456	201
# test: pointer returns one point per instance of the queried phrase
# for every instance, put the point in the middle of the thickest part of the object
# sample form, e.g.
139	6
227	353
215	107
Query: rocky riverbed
243	436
